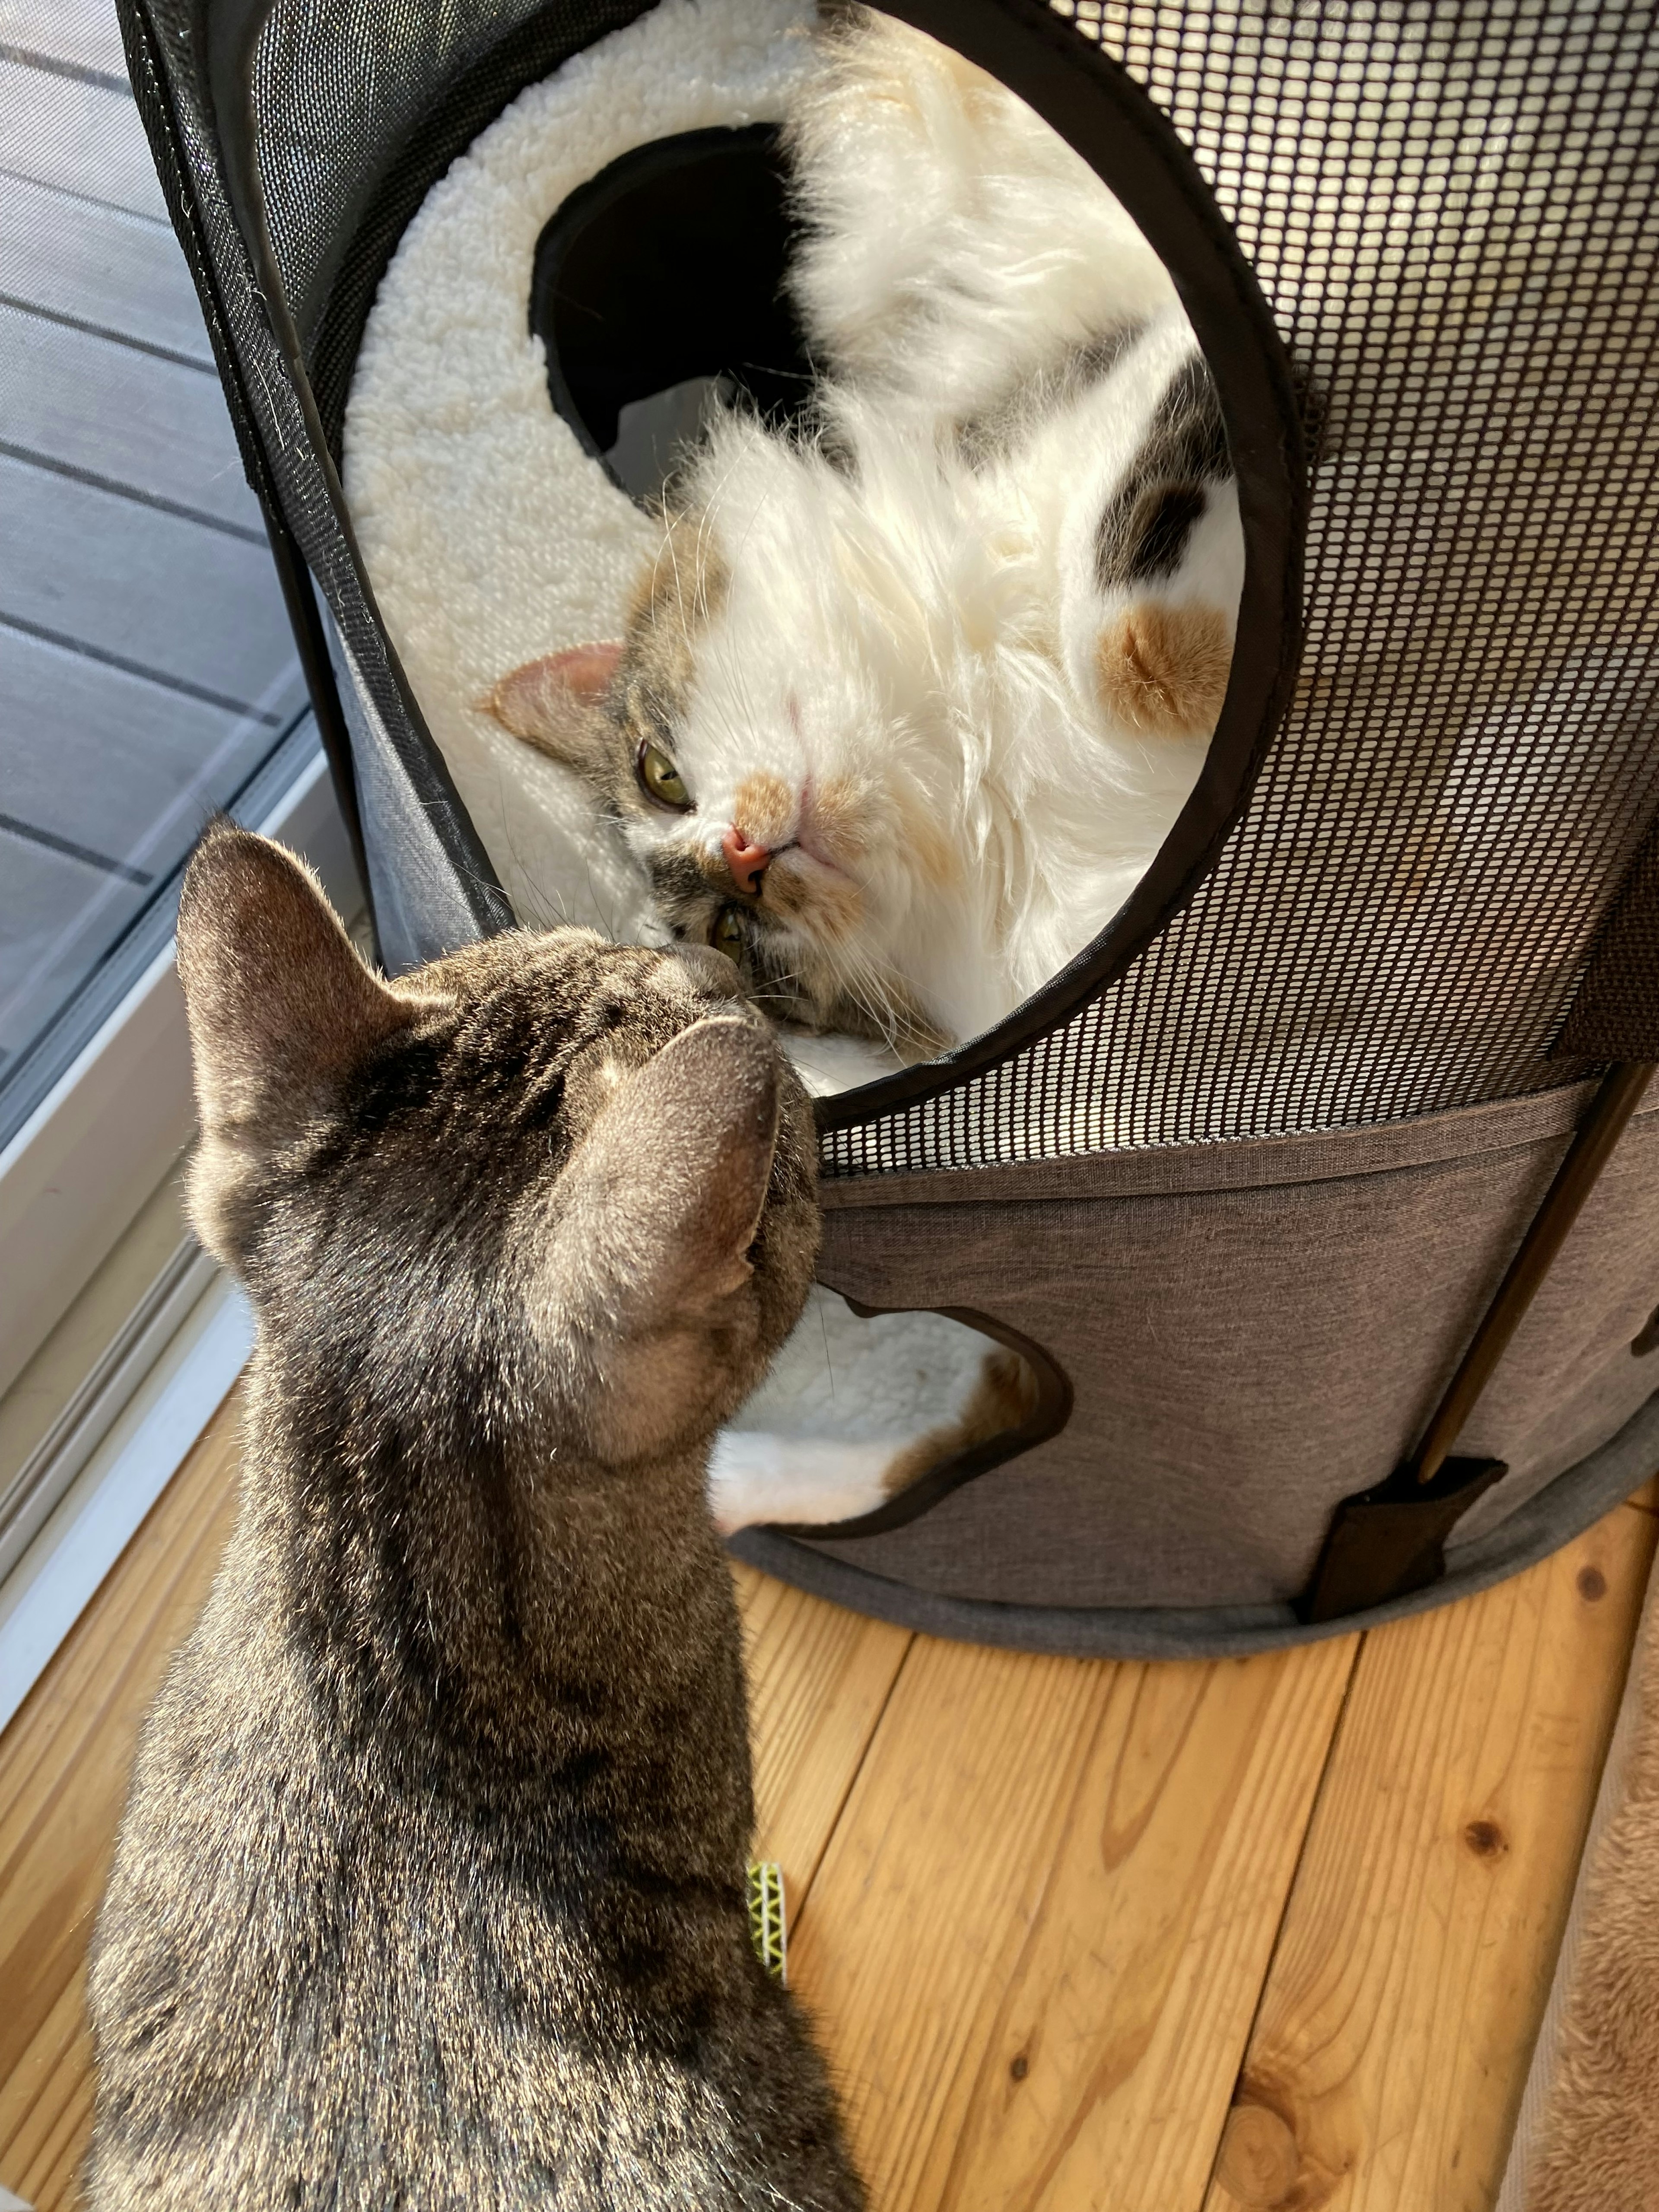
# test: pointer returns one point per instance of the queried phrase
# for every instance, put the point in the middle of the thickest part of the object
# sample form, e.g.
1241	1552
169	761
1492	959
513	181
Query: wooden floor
1257	1937
1262	1936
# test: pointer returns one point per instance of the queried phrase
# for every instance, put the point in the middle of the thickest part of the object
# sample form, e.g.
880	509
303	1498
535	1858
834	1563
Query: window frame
78	1169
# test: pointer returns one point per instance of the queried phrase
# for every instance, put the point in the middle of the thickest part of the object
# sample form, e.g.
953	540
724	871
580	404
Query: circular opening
658	286
1125	473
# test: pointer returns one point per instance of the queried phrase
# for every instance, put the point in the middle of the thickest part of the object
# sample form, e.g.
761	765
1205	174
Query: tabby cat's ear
658	1207
557	705
279	1004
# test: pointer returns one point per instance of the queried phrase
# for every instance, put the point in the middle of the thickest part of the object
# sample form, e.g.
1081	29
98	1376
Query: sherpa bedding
491	537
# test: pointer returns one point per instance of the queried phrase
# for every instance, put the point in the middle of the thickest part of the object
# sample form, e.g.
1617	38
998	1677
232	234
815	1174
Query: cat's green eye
728	934
660	778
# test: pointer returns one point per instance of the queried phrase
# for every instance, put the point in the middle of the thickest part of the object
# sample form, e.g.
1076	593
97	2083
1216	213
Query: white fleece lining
490	537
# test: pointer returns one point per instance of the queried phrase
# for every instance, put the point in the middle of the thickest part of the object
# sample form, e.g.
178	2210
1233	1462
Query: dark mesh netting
357	112
353	112
337	92
1450	209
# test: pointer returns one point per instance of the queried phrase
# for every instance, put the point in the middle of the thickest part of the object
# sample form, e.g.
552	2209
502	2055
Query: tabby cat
430	1889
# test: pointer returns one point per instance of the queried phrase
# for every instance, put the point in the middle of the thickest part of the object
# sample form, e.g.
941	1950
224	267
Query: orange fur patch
830	906
1004	1398
1163	670
764	809
936	856
840	819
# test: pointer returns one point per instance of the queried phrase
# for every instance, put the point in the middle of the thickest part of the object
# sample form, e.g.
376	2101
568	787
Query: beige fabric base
1588	2136
1252	1333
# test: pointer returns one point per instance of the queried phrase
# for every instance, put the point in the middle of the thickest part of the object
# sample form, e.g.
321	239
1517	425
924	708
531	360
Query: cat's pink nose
747	862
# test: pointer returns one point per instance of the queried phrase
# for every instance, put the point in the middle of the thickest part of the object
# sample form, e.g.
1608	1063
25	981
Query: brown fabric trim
1256	1163
1570	1504
1598	2148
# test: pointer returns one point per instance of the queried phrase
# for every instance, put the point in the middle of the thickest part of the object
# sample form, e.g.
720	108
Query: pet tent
1329	1155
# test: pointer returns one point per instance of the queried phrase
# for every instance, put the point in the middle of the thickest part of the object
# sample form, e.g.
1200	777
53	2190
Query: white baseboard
119	1481
27	1499
93	1151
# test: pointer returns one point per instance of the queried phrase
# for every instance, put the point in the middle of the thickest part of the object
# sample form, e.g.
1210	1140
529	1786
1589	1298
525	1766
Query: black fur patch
1148	523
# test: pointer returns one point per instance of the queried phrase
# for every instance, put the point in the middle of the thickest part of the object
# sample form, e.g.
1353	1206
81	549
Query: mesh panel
1615	1014
337	91
1450	209
351	134
348	114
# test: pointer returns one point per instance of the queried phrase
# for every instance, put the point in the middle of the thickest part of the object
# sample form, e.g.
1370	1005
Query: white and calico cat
905	708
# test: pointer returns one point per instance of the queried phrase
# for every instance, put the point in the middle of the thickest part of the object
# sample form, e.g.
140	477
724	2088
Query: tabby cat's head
544	1185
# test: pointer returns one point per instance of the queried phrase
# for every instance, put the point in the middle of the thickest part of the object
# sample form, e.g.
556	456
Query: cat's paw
1163	670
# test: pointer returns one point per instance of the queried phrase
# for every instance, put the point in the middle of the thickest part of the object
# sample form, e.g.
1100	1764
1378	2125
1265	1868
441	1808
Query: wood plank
1047	1902
819	1679
82	32
64	1765
1035	1942
154	591
81	137
120	273
102	759
107	410
1398	2019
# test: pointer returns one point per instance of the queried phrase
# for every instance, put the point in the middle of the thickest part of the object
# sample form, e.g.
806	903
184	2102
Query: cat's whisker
601	907
705	533
864	985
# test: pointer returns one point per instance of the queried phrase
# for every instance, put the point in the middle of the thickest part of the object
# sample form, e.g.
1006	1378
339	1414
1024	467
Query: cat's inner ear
658	1207
557	705
279	1004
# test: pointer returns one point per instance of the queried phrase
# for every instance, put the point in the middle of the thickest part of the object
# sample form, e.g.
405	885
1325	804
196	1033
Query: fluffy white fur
958	243
918	645
954	231
903	669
